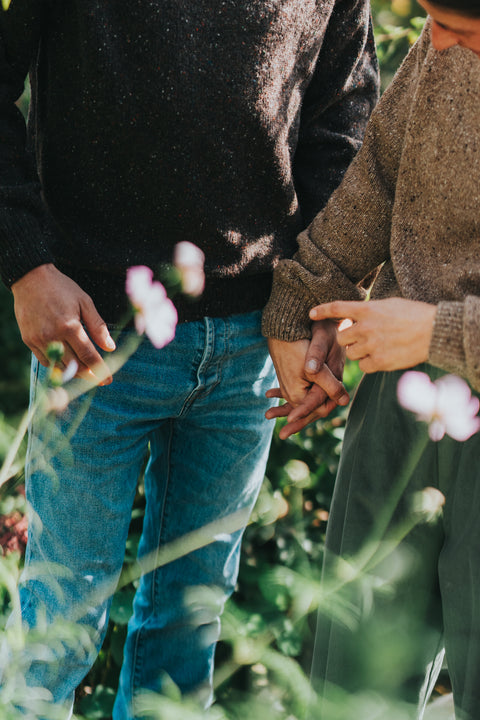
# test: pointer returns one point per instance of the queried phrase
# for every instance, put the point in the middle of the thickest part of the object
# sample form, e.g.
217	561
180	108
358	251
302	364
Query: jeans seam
208	353
164	511
163	514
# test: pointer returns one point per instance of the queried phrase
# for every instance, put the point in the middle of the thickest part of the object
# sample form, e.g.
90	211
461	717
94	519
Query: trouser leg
82	469
205	471
459	571
387	626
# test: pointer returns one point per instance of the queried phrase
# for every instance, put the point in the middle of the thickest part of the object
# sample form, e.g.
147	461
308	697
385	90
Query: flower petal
160	323
70	371
138	284
417	393
436	430
186	254
457	407
189	261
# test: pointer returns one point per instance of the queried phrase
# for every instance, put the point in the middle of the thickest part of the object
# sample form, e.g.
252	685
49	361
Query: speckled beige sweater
410	200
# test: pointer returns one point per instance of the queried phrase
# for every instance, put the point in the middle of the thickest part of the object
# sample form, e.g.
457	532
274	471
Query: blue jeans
198	407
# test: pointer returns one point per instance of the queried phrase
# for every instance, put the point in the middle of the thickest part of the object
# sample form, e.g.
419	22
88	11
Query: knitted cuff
446	347
24	246
286	314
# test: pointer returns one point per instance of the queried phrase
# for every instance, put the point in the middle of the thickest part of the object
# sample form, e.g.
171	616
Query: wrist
37	274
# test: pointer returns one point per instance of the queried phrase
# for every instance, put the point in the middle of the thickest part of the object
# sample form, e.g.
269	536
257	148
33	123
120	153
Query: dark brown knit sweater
221	122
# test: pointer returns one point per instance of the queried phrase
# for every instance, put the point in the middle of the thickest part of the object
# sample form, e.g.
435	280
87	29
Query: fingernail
313	365
110	343
344	400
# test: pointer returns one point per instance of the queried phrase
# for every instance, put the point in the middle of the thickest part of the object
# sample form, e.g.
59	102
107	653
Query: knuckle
68	327
86	356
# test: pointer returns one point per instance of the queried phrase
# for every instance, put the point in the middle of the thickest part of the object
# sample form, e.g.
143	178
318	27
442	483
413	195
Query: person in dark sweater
225	124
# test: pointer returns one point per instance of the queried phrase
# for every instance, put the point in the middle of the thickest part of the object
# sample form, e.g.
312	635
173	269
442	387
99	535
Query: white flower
447	404
60	377
155	314
429	502
189	261
70	371
57	400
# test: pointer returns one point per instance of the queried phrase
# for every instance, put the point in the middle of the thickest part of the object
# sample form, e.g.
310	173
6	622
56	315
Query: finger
348	336
293	427
274	393
95	325
316	354
335	390
83	371
295	397
86	355
278	411
41	357
320	412
368	365
357	351
338	309
315	397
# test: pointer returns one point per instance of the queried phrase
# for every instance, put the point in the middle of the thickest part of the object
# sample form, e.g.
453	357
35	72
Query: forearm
336	107
351	236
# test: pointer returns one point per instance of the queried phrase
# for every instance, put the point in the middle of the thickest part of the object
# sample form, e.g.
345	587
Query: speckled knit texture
409	200
223	123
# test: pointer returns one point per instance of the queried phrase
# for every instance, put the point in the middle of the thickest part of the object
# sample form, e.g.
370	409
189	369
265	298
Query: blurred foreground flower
57	400
189	261
60	377
447	404
155	314
429	502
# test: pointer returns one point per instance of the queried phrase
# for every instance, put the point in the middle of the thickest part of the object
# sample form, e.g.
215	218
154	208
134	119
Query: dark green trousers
400	584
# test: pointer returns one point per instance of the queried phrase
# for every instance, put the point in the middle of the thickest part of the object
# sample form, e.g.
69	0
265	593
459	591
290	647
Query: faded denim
197	407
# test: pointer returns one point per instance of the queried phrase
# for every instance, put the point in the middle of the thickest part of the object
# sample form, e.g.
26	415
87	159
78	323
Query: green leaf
122	606
99	705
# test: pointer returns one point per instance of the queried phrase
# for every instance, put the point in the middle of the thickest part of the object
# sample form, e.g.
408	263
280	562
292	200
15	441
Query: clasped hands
383	335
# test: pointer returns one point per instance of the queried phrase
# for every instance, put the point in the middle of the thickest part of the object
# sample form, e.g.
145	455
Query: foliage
264	656
397	25
15	365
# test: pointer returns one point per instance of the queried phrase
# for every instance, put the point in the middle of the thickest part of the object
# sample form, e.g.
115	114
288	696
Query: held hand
391	334
324	364
309	395
50	307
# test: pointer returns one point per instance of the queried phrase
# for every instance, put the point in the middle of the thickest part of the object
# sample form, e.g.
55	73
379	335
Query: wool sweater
409	203
224	123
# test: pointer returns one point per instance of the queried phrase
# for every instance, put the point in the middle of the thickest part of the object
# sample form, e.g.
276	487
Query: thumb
316	354
96	326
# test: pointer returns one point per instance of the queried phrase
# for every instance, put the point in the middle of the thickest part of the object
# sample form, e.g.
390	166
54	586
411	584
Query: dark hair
464	7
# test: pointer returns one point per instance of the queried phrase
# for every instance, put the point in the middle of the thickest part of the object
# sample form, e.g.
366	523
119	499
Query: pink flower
189	261
447	404
155	314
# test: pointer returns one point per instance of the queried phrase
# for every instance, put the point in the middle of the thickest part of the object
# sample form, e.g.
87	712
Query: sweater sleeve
455	344
337	104
24	222
351	237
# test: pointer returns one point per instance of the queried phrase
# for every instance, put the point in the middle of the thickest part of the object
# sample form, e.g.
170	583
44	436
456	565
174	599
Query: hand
307	383
391	334
49	307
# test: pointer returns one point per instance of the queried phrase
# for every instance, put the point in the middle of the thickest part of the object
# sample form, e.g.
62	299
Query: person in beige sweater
408	210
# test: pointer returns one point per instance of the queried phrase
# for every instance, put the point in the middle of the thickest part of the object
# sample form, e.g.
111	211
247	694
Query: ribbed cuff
286	314
24	246
446	347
